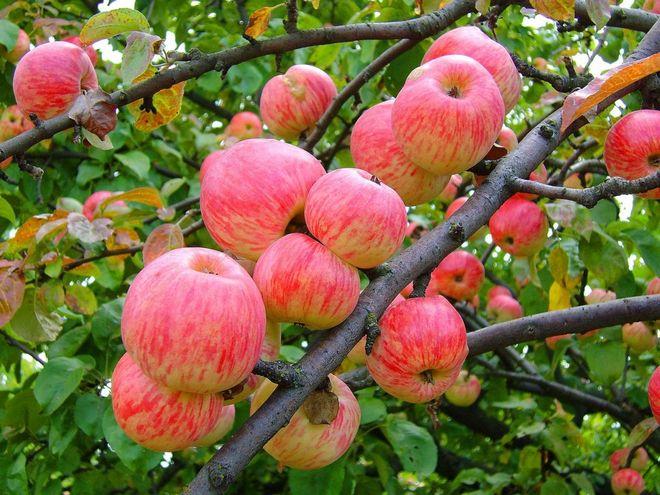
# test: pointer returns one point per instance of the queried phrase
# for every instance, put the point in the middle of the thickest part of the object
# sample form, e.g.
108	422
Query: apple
654	394
407	290
455	205
293	102
302	281
194	321
600	296
504	308
375	150
12	123
638	337
573	181
451	189
540	63
619	458
420	350
223	425
91	204
207	162
21	47
551	342
448	114
89	50
519	227
253	192
507	139
357	217
627	482
539	174
654	287
652	6
315	436
632	147
458	276
465	390
157	417
245	125
49	78
498	290
471	41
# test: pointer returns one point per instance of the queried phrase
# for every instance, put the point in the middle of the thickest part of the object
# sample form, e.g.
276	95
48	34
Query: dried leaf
122	238
321	407
584	103
599	12
140	49
496	152
258	22
166	104
94	111
111	23
559	10
419	7
12	288
162	239
81	299
85	231
144	195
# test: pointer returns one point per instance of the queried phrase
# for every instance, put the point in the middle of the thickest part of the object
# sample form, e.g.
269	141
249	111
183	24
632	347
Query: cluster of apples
628	480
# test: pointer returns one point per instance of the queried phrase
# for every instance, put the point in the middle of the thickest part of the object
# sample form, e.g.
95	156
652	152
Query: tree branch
291	21
563	84
23	348
199	100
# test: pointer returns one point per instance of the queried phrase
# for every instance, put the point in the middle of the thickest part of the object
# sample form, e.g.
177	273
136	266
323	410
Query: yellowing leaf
26	233
482	6
81	299
558	264
12	288
559	297
584	103
559	10
144	195
111	23
166	104
316	3
258	22
162	239
122	238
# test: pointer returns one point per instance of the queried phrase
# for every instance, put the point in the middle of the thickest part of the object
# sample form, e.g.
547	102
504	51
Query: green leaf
245	79
530	459
291	353
33	322
106	323
604	213
88	171
372	409
139	51
555	486
413	445
111	23
89	408
81	299
558	263
68	343
8	34
102	144
325	481
171	186
61	433
598	249
513	403
648	245
136	161
14	475
6	211
57	381
641	432
582	482
605	360
133	456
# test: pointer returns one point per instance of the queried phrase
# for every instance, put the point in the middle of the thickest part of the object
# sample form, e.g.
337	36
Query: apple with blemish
600	296
407	290
458	276
639	337
503	308
245	125
652	6
21	47
465	390
654	394
619	458
627	482
89	50
519	227
91	205
451	189
223	425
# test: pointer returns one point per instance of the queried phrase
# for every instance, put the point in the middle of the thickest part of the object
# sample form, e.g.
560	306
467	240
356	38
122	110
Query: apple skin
223	425
627	482
420	350
455	205
471	41
407	290
507	139
208	162
357	217
458	276
156	417
245	125
440	132
551	342
303	445
194	321
652	6
252	191
302	281
653	287
498	290
539	174
519	227
375	150
504	308
600	296
12	123
451	189
294	101
632	147
465	390
619	457
654	394
21	47
49	78
92	203
638	337
89	50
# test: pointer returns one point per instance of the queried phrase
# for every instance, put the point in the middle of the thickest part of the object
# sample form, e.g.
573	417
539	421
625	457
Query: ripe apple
551	342
507	139
313	438
632	147
652	6
504	308
638	337
451	189
455	205
157	417
627	482
357	217
223	425
375	150
194	321
49	78
539	174
91	204
498	290
458	276
292	103
254	191
89	50
420	350
654	287
302	281
207	162
599	296
245	125
465	390
471	41
12	123
619	458
519	227
448	114
21	47
654	394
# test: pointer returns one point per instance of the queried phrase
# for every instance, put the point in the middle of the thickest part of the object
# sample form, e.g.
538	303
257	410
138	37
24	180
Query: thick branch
279	372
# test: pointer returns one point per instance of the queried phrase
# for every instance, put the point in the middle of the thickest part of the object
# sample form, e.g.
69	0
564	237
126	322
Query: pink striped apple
540	174
600	296
89	50
91	204
639	337
619	458
519	227
245	125
465	390
292	103
507	139
471	41
194	321
224	424
21	47
503	308
375	150
208	161
49	78
420	350
458	276
313	438
498	290
157	417
632	147
451	189
448	114
302	281
357	217
654	394
627	482
254	191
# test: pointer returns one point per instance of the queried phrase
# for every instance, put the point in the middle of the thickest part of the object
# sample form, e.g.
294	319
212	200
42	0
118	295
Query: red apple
540	174
632	147
302	281
652	6
519	227
465	390
21	47
357	217
309	440
619	458
157	417
223	425
627	482
420	350
654	394
12	123
91	204
600	296
207	162
507	139
638	337
89	50
458	276
448	114
504	308
451	189
375	150
498	290
49	78
455	205
551	342
245	125
194	321
654	287
292	103
471	41
253	191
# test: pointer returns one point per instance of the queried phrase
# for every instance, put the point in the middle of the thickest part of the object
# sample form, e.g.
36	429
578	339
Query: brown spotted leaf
258	22
559	10
26	233
12	288
321	407
82	229
163	107
81	299
140	49
51	294
95	112
111	23
162	239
